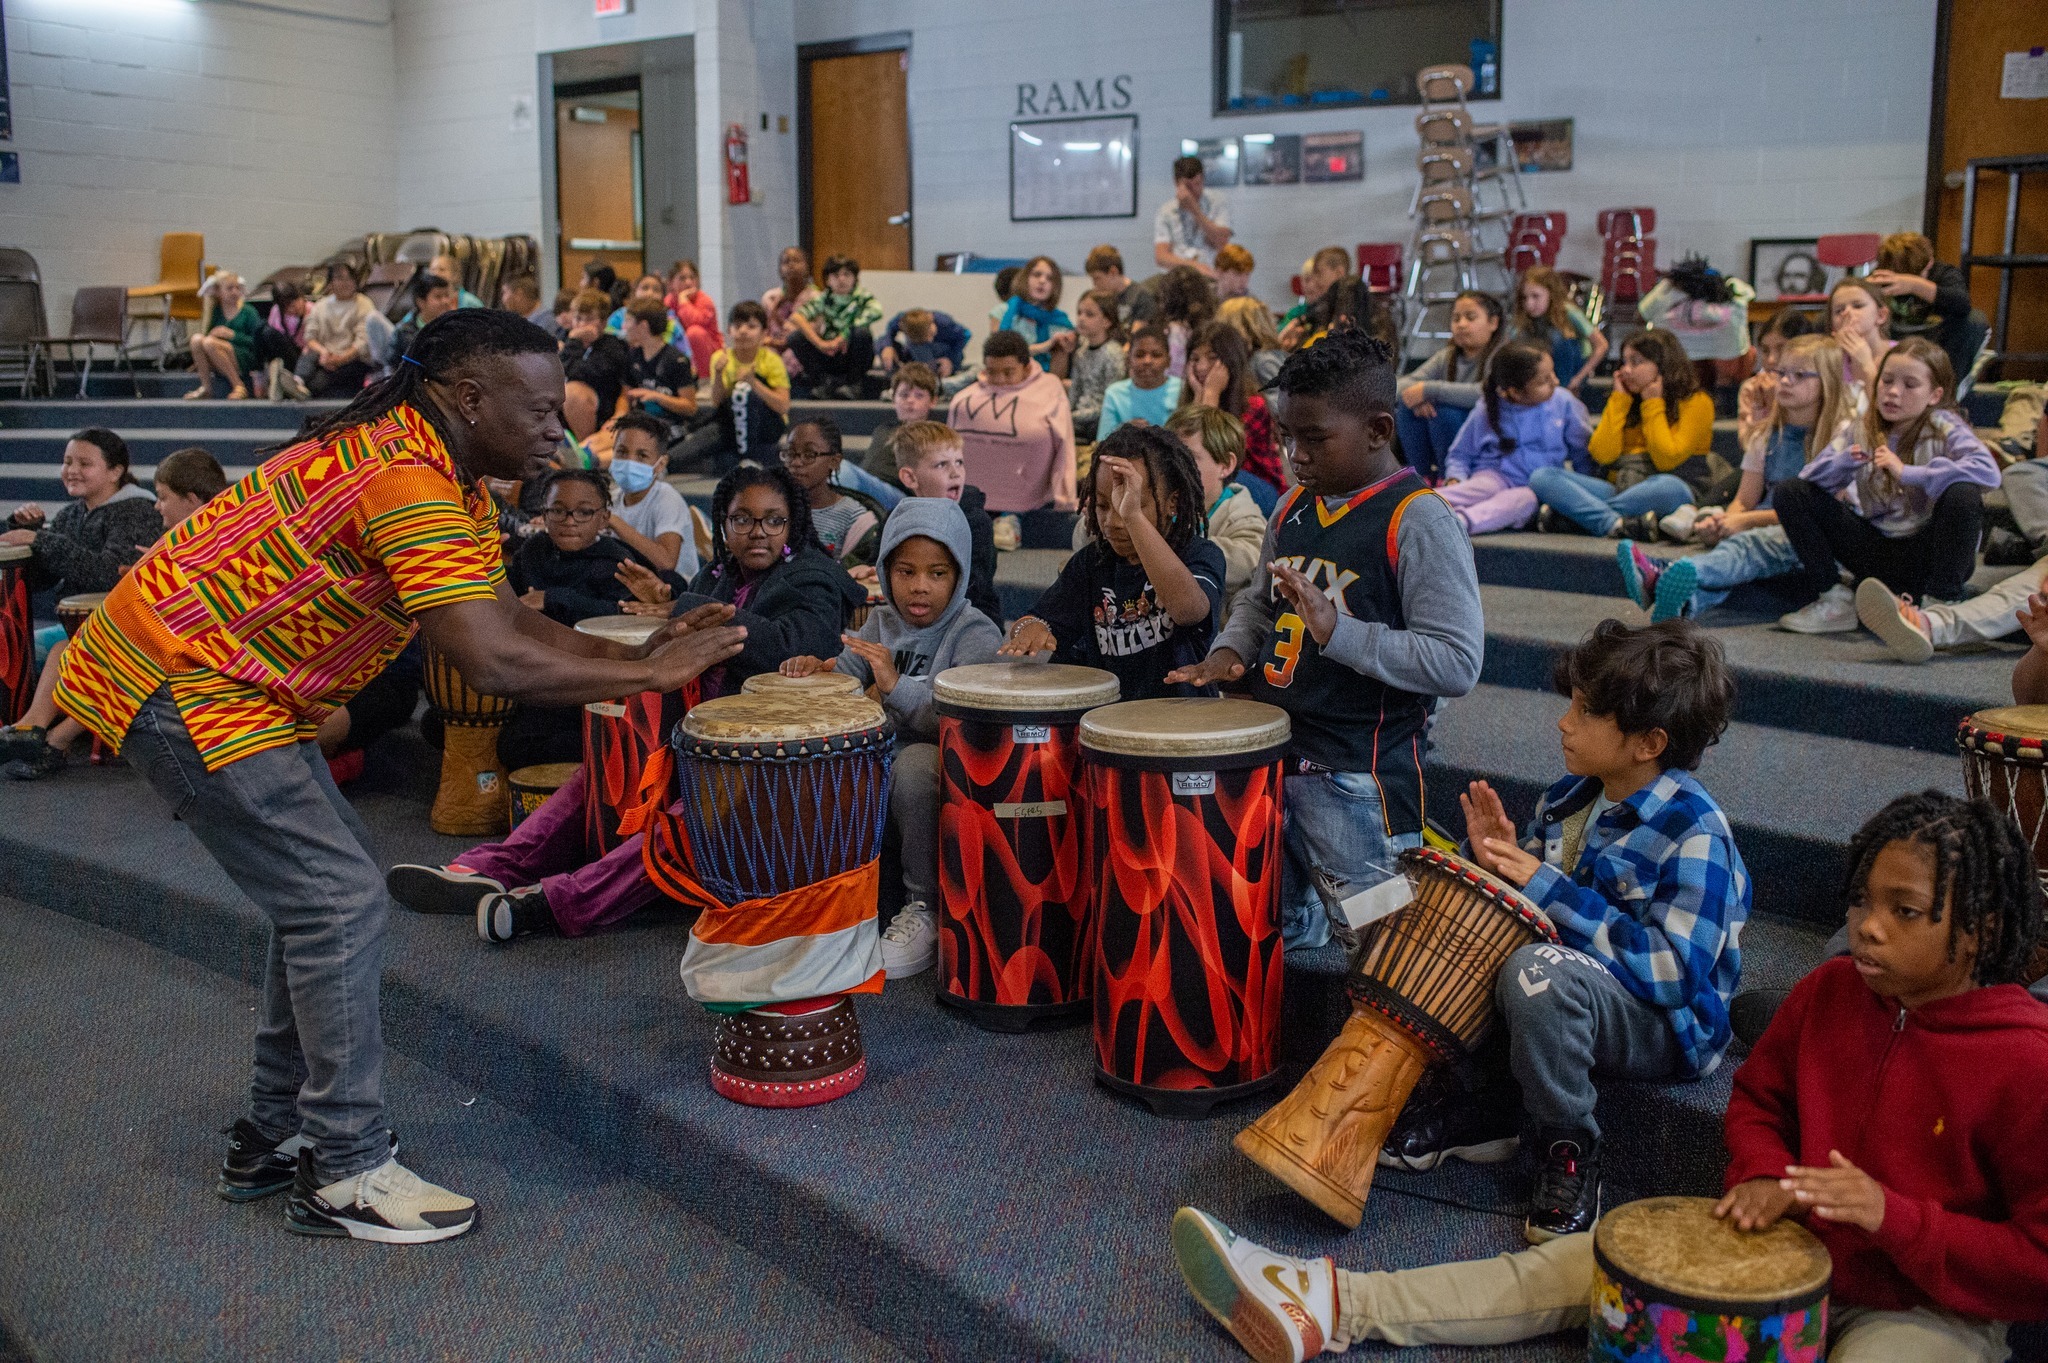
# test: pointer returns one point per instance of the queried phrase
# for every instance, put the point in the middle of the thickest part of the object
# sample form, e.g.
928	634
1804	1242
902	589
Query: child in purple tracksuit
1525	423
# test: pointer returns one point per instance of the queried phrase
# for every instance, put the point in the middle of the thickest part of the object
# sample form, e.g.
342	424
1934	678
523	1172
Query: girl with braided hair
1142	598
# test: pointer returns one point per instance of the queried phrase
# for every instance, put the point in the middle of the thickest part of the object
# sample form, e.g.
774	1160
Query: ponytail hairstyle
1663	349
1491	307
447	348
1515	365
728	491
1939	368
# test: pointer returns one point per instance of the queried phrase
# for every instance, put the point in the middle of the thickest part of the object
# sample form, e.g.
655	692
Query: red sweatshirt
1945	1105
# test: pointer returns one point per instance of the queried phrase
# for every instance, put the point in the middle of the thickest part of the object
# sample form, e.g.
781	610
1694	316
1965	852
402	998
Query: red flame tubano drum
1673	1282
1016	902
2005	762
1186	829
620	736
17	634
775	835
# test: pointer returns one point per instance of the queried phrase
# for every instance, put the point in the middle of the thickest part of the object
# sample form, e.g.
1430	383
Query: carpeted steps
32	435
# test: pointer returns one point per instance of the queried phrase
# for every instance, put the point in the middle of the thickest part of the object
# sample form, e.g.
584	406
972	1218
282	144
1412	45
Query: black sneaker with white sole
1452	1123
438	889
389	1204
1567	1197
256	1166
514	913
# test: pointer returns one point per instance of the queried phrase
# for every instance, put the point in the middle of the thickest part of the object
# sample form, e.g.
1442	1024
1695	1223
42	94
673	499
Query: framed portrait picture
1219	158
1788	267
1074	168
1272	158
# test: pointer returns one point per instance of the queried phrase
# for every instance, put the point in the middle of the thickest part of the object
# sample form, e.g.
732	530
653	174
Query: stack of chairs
1462	238
1628	260
1534	239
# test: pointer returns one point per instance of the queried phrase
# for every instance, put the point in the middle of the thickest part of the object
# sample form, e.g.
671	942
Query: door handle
899	219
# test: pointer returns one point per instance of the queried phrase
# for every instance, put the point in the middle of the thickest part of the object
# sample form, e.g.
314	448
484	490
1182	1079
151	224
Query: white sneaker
911	945
389	1204
1280	1308
1677	526
1008	533
1902	625
1833	613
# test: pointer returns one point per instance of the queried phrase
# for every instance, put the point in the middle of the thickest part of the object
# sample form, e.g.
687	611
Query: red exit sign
612	9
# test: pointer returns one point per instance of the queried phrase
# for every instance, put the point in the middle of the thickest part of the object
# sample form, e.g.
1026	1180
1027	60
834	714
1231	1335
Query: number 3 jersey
1345	719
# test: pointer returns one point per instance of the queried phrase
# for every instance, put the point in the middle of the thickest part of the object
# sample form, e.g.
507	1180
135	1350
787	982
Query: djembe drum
471	800
621	739
1672	1281
2005	762
531	786
1016	902
817	684
775	834
17	634
1187	860
1421	988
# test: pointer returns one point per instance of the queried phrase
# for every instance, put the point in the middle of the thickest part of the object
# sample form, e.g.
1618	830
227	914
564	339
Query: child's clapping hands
1492	836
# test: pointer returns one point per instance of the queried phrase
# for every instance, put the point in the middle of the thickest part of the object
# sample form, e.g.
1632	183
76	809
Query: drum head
545	775
631	630
2007	729
1419	861
817	684
1024	687
1192	728
85	603
1677	1251
776	720
15	553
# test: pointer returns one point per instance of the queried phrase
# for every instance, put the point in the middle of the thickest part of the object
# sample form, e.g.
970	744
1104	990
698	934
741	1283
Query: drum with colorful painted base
17	634
1673	1283
532	786
1016	903
74	611
1186	838
620	736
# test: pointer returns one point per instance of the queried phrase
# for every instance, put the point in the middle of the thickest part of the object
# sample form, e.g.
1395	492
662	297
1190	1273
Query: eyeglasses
792	456
740	523
578	514
1792	375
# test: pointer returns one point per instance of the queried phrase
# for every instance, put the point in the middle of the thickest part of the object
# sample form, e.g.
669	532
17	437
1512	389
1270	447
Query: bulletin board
1074	168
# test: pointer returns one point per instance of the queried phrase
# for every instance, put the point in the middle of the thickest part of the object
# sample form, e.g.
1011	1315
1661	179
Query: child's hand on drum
866	575
802	666
877	657
1841	1192
1028	636
1316	610
2033	617
644	583
643	608
1221	666
1754	1204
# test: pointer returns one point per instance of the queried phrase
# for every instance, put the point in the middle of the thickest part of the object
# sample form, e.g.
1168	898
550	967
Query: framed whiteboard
1074	168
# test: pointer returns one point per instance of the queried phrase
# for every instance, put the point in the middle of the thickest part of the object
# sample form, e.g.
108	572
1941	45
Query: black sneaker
40	762
1448	1122
1547	519
2007	549
1751	1011
1644	526
389	1204
22	740
257	1166
514	913
439	889
1567	1197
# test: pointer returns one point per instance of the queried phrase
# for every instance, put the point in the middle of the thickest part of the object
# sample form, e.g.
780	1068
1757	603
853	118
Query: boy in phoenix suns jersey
1364	611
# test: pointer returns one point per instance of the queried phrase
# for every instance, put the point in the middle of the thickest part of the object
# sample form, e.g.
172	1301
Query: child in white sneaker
1897	496
925	627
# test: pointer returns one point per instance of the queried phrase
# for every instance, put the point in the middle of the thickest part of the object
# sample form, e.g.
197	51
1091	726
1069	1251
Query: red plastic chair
1379	265
1549	224
1622	223
1847	250
1294	285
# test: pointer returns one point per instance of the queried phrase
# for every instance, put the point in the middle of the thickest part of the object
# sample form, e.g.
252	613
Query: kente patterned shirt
284	595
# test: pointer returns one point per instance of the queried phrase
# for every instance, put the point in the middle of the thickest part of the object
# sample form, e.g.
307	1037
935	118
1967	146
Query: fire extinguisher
737	190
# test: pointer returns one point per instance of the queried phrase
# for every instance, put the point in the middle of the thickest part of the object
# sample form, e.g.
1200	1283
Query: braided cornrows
1169	468
1983	872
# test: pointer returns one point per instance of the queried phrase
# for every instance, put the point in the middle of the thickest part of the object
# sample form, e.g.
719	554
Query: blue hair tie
407	359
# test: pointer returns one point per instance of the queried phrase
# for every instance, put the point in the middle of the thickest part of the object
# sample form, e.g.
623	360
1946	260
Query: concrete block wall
461	163
1732	124
269	130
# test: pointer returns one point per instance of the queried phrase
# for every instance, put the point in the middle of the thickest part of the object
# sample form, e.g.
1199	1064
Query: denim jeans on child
277	825
1595	506
1750	556
851	477
1333	824
1567	1019
1426	440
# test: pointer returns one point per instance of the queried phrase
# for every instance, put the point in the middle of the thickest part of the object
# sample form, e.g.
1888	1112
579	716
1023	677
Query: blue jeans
276	824
851	477
1593	504
1750	556
1333	824
1425	442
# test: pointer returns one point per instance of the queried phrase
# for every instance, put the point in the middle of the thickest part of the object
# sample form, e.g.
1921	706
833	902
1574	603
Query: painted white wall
462	165
1727	122
269	131
746	66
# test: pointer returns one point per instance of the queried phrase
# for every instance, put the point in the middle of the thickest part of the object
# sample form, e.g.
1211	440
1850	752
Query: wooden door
597	167
1974	122
857	169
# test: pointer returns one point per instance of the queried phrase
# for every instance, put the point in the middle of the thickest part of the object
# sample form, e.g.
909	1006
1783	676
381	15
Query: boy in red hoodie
1898	1103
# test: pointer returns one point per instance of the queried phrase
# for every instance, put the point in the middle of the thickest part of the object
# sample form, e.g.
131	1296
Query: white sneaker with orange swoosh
1280	1308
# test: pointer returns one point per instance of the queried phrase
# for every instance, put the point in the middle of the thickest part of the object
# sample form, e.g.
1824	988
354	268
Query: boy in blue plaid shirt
1639	873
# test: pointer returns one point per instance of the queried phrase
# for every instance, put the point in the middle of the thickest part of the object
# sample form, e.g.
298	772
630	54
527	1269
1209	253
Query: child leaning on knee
924	626
1524	422
1897	1105
1637	868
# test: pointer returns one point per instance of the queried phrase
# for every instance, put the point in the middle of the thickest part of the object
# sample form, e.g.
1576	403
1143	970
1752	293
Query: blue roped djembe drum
776	834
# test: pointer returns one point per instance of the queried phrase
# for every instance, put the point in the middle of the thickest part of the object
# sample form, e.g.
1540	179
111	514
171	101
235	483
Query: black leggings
849	366
1934	561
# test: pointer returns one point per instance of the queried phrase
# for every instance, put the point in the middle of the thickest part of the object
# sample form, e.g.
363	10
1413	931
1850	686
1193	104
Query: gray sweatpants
283	833
1567	1019
914	809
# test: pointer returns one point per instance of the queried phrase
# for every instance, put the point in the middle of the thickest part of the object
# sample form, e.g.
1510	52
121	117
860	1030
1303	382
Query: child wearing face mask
648	515
1897	495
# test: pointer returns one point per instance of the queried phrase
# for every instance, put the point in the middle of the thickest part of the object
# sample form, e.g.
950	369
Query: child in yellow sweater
1650	447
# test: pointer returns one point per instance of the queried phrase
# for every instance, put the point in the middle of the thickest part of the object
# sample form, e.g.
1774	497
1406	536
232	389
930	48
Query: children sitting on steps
1148	393
1364	610
832	336
1525	422
648	515
1033	311
749	389
913	390
924	626
841	520
1636	866
1545	314
930	462
1219	375
1090	358
1019	436
1745	542
1438	394
1895	1105
1896	496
